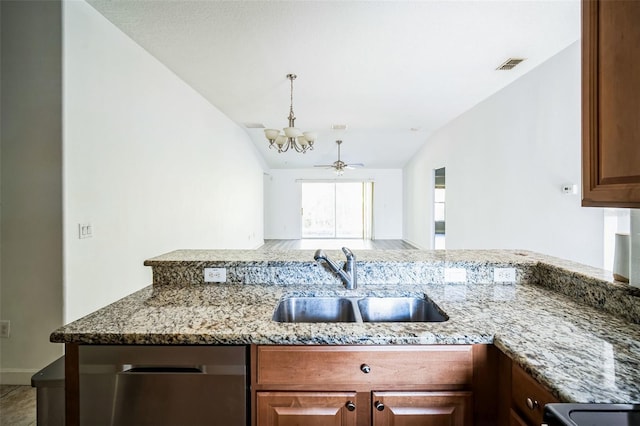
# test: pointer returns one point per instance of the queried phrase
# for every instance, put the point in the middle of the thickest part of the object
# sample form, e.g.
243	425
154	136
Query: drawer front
528	396
342	365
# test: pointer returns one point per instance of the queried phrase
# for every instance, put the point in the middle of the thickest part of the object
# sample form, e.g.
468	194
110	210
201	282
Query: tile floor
17	405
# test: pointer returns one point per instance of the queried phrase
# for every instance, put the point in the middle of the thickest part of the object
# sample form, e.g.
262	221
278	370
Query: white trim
16	376
414	244
334	180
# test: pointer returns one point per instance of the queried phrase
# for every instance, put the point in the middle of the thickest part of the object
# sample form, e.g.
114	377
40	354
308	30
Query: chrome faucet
348	273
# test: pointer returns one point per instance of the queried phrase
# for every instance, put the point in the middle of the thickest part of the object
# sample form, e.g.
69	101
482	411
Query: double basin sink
358	309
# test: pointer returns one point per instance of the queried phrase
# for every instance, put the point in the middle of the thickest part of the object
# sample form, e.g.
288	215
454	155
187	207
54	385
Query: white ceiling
381	67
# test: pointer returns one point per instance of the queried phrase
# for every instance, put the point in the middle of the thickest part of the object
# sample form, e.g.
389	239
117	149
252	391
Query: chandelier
292	137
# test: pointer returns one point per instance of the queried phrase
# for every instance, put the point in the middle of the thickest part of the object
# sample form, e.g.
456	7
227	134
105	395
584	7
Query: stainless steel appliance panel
163	385
573	414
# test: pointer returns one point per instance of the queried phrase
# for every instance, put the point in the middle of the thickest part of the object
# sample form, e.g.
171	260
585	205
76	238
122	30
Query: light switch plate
85	230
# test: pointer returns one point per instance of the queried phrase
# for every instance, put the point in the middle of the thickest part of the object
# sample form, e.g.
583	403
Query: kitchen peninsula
568	326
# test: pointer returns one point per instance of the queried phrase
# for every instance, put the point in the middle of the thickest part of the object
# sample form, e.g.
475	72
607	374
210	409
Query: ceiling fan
340	165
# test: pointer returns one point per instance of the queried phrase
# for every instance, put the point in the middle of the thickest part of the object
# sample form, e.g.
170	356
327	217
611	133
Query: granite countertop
572	343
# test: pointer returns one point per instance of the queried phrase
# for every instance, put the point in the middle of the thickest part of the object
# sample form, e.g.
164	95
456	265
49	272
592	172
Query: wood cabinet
610	103
515	419
421	408
528	398
437	365
307	408
371	385
522	397
340	408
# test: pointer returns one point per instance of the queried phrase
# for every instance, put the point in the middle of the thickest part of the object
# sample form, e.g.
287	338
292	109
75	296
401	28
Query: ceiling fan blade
354	165
326	166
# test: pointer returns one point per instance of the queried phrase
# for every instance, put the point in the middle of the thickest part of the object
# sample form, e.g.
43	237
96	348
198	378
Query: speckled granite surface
184	267
568	340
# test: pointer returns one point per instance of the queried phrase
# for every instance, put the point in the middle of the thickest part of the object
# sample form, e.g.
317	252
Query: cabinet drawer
343	365
528	397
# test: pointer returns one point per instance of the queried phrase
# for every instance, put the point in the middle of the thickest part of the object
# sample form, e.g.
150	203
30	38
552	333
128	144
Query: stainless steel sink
358	309
315	309
400	309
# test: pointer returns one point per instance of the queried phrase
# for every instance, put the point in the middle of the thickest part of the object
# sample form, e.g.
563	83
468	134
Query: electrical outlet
504	275
215	275
455	275
5	328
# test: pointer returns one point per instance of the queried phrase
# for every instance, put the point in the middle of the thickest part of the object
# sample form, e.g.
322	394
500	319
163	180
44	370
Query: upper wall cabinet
611	103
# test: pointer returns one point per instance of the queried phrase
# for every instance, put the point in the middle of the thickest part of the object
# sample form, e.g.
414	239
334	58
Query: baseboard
416	245
16	376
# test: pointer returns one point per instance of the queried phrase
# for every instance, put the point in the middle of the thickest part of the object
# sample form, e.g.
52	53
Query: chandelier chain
291	114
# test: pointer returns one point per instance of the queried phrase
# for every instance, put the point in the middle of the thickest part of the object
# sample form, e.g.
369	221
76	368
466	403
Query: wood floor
17	405
329	244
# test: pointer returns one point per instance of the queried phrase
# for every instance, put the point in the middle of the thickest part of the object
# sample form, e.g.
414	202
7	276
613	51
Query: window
335	210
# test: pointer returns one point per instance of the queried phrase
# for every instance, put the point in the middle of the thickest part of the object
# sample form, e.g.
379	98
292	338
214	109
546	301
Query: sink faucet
348	273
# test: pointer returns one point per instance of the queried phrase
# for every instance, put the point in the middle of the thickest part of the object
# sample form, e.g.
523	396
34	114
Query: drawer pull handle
350	406
532	404
379	405
365	368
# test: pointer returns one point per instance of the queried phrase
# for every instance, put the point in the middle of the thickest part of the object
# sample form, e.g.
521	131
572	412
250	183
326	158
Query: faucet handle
348	253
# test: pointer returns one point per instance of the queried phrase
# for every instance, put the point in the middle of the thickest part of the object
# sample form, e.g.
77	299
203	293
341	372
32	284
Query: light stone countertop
580	344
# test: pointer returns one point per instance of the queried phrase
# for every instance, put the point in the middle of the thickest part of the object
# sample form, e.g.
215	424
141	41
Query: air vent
339	127
509	64
254	125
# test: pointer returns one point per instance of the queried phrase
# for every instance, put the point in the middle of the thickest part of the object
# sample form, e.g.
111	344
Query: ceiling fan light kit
292	137
340	166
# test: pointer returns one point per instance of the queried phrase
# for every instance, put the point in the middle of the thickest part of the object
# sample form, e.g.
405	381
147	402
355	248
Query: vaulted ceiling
392	71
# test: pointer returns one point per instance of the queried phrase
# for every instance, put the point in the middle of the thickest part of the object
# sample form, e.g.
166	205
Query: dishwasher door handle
162	369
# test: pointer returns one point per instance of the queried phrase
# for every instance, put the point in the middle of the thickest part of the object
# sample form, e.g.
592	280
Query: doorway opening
439	228
337	210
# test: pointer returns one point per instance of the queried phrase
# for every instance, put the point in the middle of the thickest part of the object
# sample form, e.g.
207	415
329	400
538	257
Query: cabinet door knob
350	405
532	404
365	368
379	405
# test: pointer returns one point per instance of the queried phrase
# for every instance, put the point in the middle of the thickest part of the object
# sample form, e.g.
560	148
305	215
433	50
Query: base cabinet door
528	397
306	409
516	420
422	408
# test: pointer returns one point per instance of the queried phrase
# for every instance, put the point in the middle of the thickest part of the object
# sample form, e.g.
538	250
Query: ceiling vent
338	127
254	125
509	64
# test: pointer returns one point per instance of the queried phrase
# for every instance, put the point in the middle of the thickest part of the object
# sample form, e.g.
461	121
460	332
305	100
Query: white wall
147	161
283	200
506	160
31	134
634	236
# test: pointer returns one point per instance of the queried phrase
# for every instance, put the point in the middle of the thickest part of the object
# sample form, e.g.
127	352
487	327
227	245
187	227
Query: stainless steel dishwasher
163	385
